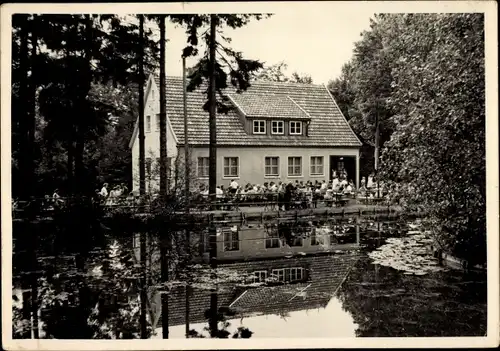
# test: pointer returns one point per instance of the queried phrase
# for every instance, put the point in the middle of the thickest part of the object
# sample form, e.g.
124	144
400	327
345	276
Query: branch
225	60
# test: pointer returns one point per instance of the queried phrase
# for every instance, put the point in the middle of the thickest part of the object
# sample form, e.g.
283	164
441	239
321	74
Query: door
339	163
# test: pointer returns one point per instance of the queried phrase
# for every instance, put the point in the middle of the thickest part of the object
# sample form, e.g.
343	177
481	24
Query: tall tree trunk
187	158
30	177
187	161
212	174
142	147
70	148
24	113
213	171
164	279
163	112
142	177
70	152
377	141
80	131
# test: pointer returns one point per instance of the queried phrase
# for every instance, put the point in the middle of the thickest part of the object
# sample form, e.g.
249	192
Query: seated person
219	193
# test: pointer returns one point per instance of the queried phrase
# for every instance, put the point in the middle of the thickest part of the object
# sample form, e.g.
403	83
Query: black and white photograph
296	174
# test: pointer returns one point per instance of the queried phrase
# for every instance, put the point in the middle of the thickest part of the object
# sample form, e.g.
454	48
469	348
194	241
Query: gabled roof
326	274
328	127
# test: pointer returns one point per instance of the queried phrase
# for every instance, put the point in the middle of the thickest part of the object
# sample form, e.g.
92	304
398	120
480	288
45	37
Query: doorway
338	163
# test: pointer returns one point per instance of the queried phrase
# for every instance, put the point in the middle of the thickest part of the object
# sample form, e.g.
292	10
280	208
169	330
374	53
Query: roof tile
328	127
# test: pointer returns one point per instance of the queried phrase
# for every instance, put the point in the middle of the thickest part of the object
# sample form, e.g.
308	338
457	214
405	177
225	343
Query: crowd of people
118	193
286	194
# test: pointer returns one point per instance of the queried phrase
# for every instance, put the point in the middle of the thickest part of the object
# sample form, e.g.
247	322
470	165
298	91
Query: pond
390	287
382	282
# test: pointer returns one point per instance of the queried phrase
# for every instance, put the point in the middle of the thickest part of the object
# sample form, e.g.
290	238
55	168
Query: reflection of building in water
235	243
292	266
279	286
266	241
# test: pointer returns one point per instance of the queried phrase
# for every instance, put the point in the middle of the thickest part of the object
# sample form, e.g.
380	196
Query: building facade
273	132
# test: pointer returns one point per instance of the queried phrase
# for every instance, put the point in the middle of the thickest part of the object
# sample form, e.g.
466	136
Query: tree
343	89
210	70
78	51
275	73
437	151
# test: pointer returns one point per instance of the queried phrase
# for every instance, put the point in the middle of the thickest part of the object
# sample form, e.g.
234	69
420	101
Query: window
296	241
272	240
316	165
231	167
231	239
277	127
152	94
296	274
295	166
259	127
148	166
169	167
295	128
202	167
272	165
315	239
278	274
288	274
148	124
259	277
157	123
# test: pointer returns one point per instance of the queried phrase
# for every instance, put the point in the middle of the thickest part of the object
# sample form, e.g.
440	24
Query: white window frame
288	272
272	238
148	124
271	166
198	167
259	124
277	127
224	176
315	174
288	166
296	270
234	245
276	273
259	277
295	125
314	238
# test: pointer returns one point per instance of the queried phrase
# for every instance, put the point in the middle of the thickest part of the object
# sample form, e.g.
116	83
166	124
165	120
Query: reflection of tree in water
390	304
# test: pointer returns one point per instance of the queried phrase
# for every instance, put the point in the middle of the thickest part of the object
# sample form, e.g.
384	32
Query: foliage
116	314
275	73
78	61
222	326
230	65
439	93
385	303
423	76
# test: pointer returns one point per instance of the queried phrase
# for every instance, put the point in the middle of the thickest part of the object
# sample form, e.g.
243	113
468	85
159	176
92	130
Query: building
274	131
283	285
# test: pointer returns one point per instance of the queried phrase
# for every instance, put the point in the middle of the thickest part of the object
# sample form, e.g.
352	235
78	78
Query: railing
270	201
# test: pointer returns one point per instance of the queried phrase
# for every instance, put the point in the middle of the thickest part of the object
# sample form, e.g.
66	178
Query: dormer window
295	128
259	127
277	127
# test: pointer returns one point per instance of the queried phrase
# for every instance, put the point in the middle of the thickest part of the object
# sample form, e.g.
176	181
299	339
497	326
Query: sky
310	41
